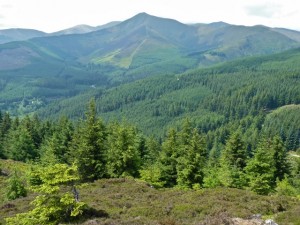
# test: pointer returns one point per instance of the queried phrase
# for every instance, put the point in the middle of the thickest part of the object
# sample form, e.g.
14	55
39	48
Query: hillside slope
15	34
58	67
210	97
114	203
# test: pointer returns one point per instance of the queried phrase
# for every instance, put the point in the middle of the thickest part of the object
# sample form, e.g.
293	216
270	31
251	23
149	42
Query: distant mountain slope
140	47
294	35
144	39
209	97
9	35
82	29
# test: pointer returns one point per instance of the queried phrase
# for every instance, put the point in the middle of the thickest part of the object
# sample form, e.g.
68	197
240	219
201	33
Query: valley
200	121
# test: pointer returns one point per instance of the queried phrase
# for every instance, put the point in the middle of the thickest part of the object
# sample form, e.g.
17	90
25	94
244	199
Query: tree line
183	159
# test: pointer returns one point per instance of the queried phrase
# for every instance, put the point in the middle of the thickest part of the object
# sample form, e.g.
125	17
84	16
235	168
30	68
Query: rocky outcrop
254	220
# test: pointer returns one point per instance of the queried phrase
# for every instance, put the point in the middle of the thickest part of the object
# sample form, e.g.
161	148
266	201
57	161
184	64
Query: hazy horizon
55	15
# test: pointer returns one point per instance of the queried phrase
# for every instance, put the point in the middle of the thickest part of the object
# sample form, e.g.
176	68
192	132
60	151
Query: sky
55	15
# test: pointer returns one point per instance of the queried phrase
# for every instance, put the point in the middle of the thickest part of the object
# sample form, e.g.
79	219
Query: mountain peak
143	14
142	17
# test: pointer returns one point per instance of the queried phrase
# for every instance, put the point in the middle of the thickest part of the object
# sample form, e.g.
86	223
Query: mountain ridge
19	34
139	47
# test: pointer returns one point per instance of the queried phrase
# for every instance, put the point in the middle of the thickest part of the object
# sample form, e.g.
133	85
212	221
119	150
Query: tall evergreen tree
89	146
152	150
233	161
235	153
192	160
20	144
167	159
282	166
123	153
5	124
261	168
55	148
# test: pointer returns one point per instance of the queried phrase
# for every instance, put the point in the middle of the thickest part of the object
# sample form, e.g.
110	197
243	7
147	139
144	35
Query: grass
129	201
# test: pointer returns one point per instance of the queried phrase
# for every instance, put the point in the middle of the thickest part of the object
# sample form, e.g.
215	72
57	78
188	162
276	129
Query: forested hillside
175	114
57	66
235	95
61	155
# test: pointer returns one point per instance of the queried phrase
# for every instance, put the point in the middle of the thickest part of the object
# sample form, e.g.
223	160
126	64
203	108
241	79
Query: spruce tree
233	161
261	168
55	203
15	187
152	150
20	145
282	166
89	146
191	162
235	153
56	147
167	159
123	154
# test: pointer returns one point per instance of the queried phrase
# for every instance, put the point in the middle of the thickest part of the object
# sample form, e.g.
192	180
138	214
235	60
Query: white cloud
264	10
53	15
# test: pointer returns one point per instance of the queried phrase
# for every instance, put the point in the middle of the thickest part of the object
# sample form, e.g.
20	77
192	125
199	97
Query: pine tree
235	153
15	187
168	159
5	124
212	178
20	145
192	160
55	148
152	150
282	166
261	168
89	146
123	154
233	161
55	202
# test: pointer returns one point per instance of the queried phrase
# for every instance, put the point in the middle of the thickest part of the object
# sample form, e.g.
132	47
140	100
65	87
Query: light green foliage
260	169
212	178
123	154
52	176
284	187
15	187
54	203
294	178
152	175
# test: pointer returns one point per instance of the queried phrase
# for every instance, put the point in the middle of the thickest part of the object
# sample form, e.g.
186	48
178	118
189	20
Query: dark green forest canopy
216	99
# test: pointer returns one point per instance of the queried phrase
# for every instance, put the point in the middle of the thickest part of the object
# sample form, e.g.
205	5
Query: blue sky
54	15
